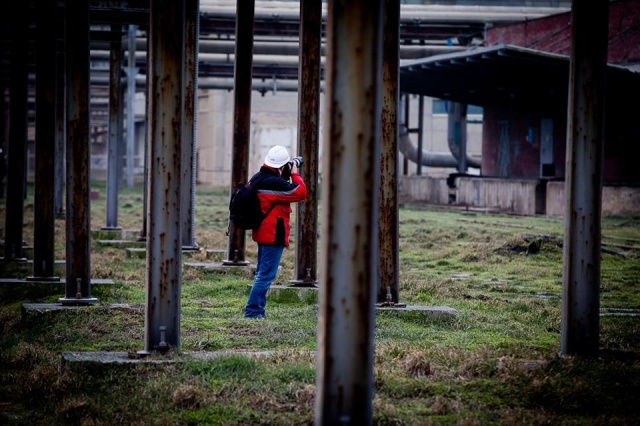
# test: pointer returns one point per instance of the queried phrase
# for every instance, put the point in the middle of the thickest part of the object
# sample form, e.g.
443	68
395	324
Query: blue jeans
266	270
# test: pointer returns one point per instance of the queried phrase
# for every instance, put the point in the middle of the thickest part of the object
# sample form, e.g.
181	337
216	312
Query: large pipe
429	159
457	136
286	11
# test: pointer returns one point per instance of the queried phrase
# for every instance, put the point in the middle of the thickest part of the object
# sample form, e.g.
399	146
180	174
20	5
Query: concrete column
16	153
164	254
43	218
115	136
579	332
78	267
308	143
241	120
388	232
351	177
188	193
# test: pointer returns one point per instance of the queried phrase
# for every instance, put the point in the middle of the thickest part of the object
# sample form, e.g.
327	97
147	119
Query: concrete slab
23	288
115	234
11	268
217	254
141	252
121	243
419	312
81	359
222	268
287	293
34	311
136	252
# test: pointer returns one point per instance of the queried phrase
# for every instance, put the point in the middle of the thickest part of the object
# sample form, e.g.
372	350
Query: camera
296	161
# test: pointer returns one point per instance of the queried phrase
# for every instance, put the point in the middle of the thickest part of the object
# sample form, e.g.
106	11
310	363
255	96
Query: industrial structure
362	115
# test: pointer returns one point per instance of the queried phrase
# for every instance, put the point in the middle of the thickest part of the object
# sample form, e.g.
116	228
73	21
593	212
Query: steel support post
579	332
308	143
388	234
241	120
145	196
115	136
78	253
43	217
164	254
16	155
420	134
188	193
61	125
349	242
404	100
132	72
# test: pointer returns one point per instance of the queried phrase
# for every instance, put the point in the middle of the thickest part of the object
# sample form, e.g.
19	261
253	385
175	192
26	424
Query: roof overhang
502	74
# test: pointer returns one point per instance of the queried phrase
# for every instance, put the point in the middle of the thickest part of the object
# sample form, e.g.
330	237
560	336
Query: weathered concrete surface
287	293
616	200
84	359
22	289
35	311
418	312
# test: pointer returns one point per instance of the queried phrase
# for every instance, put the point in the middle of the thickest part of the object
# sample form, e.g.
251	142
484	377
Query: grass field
496	363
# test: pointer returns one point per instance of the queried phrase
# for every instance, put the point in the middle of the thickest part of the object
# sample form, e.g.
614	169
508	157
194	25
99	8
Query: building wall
553	33
512	141
274	121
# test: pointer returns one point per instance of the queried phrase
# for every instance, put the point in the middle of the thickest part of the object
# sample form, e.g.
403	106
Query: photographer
276	192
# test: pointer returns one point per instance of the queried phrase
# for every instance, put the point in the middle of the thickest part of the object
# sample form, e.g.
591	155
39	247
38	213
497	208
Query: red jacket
277	194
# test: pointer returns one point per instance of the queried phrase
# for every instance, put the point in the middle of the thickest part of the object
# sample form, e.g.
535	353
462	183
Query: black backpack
244	206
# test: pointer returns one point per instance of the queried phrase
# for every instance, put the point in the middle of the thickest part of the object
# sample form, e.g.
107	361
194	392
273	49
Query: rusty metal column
147	116
132	72
420	134
61	124
115	136
579	333
243	71
388	291
308	143
43	217
78	253
351	173
164	254
188	193
16	155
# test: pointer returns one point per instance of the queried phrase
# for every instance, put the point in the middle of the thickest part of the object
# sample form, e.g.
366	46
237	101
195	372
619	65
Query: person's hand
297	161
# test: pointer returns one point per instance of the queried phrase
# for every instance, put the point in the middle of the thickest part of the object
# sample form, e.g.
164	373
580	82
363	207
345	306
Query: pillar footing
304	283
391	305
14	260
235	263
43	279
77	301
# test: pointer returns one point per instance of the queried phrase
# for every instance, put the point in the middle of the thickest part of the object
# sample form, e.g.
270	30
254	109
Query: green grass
497	362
